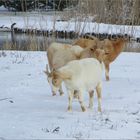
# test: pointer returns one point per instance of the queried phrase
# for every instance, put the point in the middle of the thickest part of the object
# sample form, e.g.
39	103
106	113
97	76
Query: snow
29	111
45	21
2	8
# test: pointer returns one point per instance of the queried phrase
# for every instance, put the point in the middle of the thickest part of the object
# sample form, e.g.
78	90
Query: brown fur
112	48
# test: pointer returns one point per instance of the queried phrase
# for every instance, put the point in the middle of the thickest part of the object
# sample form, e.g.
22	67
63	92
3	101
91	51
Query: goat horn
47	69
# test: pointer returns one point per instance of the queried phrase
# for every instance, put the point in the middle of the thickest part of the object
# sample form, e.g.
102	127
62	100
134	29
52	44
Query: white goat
80	75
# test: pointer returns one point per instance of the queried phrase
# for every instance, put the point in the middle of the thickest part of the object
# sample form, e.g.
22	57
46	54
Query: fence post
13	36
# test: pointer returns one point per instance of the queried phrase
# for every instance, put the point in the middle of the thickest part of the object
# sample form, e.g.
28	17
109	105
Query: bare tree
112	11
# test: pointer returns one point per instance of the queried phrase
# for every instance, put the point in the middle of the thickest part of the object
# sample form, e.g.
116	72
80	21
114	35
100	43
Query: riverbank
54	24
35	30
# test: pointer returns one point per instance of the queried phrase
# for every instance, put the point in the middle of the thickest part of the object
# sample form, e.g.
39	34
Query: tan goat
112	49
60	54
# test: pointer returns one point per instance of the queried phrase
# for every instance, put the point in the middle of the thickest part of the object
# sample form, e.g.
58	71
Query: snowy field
28	110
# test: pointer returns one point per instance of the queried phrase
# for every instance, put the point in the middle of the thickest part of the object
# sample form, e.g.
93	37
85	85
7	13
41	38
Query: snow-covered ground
29	111
47	21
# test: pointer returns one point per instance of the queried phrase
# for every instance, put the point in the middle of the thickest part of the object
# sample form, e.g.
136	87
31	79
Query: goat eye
91	49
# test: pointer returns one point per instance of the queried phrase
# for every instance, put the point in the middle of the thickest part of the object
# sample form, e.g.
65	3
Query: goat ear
47	70
54	70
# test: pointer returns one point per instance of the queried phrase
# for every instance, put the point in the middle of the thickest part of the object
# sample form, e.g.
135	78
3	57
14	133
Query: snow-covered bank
28	110
49	22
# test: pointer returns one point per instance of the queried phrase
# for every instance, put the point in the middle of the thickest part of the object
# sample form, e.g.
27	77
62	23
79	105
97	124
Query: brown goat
112	49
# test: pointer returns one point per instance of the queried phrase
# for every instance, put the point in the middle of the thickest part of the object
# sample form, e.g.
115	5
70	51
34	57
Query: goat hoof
107	79
90	107
54	94
69	109
61	93
100	110
83	109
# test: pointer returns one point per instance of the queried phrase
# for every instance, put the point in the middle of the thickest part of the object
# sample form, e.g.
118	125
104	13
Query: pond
23	41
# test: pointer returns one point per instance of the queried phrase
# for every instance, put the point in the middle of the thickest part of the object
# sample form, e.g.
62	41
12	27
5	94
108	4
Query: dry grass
29	43
132	47
34	44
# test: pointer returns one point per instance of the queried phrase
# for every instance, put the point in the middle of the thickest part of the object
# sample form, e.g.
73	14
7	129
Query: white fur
86	75
62	54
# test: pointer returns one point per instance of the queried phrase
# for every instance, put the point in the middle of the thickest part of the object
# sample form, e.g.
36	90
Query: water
40	43
23	41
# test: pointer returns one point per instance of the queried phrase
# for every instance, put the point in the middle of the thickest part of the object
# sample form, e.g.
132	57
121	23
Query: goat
58	55
80	75
63	52
112	48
